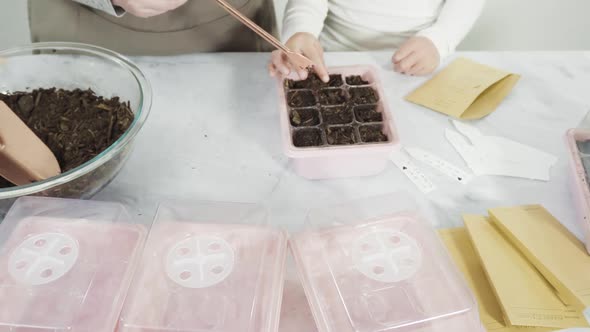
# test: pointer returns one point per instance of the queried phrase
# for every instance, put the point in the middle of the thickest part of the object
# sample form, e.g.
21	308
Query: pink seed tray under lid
387	274
65	265
337	161
579	177
208	273
295	313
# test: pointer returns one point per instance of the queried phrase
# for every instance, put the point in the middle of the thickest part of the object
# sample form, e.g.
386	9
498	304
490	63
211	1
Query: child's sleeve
304	16
454	22
103	5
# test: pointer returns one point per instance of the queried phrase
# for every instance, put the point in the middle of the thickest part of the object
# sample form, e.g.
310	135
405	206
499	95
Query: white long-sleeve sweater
361	25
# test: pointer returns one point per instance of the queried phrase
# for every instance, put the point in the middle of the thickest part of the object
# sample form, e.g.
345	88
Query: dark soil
307	137
364	95
337	115
301	98
313	82
332	97
367	113
305	117
372	134
356	80
335	81
584	148
76	125
341	135
341	104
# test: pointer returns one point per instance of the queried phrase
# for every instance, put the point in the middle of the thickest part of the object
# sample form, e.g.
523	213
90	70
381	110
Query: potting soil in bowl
76	125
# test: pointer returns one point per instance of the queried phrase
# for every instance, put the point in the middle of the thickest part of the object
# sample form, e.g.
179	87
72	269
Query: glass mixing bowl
71	66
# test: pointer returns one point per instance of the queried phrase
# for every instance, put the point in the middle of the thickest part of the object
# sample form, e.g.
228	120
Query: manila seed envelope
463	254
465	90
525	296
551	248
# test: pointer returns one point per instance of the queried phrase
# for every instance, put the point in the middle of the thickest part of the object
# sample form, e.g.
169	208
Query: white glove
148	8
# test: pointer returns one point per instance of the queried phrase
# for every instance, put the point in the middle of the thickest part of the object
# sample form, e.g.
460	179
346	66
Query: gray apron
197	26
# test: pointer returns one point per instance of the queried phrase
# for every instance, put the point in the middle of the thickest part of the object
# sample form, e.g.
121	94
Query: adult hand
148	8
417	56
306	44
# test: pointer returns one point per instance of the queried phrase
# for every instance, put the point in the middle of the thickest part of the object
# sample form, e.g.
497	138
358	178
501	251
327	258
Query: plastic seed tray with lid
295	313
371	267
578	143
341	128
65	265
208	267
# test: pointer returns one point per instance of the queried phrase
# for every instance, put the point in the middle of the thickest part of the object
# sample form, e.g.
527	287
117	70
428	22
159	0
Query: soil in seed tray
368	113
332	97
356	80
307	137
305	117
364	95
372	134
337	115
76	125
335	81
341	135
313	82
301	98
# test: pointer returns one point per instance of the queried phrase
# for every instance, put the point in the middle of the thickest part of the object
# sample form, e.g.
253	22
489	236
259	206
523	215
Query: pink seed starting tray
207	273
389	274
343	128
578	143
65	265
295	313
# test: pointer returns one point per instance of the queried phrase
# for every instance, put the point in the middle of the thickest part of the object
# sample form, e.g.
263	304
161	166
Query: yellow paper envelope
465	90
461	250
525	296
551	248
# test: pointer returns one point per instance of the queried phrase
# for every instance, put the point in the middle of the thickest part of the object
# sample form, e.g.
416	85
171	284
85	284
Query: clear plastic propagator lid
377	265
208	267
295	313
65	265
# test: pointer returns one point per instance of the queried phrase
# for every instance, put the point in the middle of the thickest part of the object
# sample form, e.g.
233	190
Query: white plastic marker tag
494	143
405	164
491	155
441	165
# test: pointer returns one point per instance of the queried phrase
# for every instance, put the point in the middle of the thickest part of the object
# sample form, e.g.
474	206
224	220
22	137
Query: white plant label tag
407	166
493	155
451	171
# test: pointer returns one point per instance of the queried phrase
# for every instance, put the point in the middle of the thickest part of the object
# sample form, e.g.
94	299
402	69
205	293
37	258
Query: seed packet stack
527	271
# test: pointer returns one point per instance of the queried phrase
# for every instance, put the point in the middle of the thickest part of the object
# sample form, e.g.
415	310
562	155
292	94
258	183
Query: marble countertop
213	134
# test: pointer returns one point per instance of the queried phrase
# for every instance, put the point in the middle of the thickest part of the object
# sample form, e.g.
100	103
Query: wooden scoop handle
24	158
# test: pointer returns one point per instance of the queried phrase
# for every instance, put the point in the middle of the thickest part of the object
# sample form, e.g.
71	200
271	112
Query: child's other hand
417	56
306	44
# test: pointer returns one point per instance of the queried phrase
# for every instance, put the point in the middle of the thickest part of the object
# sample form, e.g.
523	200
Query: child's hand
417	56
306	44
